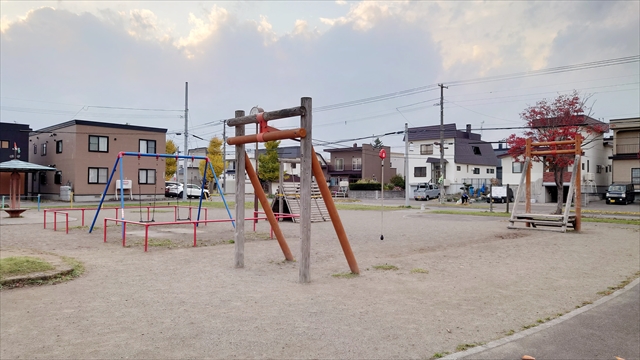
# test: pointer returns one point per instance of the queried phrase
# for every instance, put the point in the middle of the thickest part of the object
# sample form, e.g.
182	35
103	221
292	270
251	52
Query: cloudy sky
62	60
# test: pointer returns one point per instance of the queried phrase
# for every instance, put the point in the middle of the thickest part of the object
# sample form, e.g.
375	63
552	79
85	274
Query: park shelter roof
23	166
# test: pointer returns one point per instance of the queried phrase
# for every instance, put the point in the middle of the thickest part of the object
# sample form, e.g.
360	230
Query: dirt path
185	302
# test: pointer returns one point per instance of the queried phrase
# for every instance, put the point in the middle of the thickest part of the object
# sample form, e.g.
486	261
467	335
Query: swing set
178	220
556	222
309	166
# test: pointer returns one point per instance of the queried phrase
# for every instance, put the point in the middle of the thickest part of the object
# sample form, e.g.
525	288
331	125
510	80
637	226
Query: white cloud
201	29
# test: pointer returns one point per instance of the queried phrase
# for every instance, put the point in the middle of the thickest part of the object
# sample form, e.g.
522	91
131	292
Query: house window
491	171
599	169
98	175
35	148
293	165
588	166
582	166
426	149
339	164
44	149
147	146
420	171
458	168
356	164
4	144
476	150
476	170
98	143
146	176
516	167
635	176
59	147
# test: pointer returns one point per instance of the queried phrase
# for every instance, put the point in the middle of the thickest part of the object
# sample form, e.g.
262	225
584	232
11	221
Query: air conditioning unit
589	177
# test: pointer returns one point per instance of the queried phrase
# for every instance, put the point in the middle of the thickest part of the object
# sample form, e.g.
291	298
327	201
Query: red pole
55	223
67	214
105	230
82	217
124	233
194	233
45	218
146	237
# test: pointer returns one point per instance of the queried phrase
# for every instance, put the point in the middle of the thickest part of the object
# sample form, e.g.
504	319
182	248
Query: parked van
620	194
426	191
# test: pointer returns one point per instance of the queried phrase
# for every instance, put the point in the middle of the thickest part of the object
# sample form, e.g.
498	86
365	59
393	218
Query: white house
467	159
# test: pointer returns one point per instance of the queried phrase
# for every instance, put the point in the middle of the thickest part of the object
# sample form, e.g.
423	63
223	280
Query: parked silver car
193	191
426	191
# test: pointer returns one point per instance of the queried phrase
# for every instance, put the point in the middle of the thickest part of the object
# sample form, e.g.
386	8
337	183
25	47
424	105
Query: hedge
365	186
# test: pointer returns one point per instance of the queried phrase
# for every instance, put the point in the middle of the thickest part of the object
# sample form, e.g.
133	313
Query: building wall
76	159
418	160
622	170
9	134
626	143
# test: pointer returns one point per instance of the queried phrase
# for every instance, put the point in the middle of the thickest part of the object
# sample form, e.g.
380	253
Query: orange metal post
578	185
267	209
333	213
549	143
268	136
527	206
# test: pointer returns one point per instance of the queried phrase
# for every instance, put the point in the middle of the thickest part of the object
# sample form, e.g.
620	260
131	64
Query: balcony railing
627	149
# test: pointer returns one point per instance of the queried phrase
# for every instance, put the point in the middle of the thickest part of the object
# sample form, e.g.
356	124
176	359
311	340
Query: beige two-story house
626	151
85	152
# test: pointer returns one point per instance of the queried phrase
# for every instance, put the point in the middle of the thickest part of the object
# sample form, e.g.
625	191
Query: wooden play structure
309	165
287	201
549	221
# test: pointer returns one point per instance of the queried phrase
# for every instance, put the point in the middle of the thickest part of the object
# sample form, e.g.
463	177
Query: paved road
608	328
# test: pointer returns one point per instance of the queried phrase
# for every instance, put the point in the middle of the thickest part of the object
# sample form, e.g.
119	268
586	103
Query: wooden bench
549	220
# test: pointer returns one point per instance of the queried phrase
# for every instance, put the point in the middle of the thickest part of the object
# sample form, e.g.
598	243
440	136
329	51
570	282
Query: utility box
65	193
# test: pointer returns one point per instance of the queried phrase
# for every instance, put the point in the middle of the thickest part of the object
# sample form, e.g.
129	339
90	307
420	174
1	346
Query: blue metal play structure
120	161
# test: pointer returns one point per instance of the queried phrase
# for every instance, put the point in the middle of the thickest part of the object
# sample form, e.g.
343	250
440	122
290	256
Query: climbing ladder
289	193
556	222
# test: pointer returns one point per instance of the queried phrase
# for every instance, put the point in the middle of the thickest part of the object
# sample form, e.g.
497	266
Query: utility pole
186	135
406	165
442	87
224	157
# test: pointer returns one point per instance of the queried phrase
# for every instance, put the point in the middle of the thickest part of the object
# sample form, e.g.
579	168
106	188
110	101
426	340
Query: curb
522	334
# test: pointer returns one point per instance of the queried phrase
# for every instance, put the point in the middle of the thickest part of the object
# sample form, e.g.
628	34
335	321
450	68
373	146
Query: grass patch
510	332
77	269
611	289
529	326
472	213
419	271
463	347
439	355
611	221
385	267
366	207
161	243
21	265
231	241
503	214
345	275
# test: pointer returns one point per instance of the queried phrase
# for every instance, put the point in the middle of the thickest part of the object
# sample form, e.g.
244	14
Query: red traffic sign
382	154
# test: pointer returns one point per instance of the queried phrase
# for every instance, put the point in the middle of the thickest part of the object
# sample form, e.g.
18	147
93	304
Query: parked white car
193	191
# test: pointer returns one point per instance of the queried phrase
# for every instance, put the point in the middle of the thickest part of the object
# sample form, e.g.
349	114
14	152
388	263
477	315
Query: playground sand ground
483	280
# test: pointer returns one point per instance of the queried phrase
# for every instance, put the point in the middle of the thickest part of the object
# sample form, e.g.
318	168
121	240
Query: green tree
377	144
268	165
170	164
397	180
214	153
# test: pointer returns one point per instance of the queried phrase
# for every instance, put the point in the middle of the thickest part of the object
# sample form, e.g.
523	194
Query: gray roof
433	133
23	166
99	124
464	153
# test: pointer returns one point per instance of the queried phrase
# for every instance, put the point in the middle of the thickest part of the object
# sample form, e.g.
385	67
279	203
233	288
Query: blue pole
122	194
104	193
204	177
38	202
222	195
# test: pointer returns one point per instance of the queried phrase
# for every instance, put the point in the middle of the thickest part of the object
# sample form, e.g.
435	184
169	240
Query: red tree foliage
561	119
